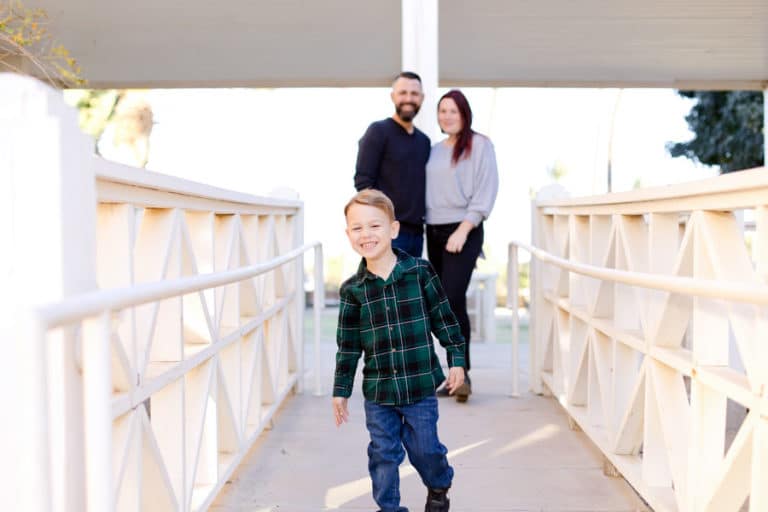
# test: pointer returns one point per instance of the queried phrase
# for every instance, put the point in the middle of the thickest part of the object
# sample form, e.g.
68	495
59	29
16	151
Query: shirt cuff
342	390
456	359
474	217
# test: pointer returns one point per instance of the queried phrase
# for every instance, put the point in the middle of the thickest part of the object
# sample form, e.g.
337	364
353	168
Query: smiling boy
388	312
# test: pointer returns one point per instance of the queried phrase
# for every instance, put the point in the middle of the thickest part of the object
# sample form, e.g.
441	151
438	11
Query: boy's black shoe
437	500
463	392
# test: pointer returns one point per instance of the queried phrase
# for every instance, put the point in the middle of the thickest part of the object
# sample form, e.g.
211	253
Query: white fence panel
155	324
649	323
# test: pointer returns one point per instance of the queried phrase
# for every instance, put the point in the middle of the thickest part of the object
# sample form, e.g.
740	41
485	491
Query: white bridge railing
152	325
649	324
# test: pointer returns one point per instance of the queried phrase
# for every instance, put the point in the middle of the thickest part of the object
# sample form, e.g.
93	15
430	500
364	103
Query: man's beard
408	115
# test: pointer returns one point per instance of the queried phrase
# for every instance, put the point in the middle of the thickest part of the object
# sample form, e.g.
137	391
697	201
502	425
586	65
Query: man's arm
369	154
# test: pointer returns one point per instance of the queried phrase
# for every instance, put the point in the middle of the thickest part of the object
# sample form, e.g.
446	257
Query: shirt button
394	371
394	350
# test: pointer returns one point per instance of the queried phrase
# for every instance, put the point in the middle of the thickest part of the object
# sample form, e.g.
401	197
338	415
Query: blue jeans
410	243
415	427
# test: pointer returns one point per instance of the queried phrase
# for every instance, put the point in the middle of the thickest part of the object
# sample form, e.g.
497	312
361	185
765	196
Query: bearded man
392	156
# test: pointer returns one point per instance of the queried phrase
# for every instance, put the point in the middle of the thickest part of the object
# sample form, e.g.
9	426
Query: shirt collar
401	265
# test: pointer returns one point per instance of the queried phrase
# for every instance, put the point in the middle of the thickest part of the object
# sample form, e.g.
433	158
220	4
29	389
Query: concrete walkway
509	454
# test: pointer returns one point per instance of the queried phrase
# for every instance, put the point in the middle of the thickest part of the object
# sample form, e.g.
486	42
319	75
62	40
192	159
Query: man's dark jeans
409	242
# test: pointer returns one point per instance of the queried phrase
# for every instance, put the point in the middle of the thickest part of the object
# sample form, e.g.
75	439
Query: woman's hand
340	411
458	238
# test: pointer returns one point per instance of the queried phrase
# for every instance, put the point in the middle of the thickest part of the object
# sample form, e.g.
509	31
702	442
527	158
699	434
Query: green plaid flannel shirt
391	322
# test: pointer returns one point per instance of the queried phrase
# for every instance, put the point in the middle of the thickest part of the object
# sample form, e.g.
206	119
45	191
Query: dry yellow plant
27	47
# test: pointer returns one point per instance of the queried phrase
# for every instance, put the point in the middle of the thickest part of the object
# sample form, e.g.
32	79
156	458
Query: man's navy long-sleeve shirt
392	160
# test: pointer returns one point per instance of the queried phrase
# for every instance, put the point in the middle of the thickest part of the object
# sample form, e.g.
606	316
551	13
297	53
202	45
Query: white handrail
740	292
98	306
711	190
91	304
113	172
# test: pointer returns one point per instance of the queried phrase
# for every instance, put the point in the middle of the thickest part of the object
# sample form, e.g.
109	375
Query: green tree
557	171
96	109
129	112
727	127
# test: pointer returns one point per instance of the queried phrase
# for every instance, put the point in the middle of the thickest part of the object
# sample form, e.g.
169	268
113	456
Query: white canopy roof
627	43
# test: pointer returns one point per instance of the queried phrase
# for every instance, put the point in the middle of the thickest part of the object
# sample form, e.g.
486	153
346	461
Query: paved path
509	454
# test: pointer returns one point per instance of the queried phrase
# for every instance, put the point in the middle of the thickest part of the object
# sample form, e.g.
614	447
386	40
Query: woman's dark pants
455	269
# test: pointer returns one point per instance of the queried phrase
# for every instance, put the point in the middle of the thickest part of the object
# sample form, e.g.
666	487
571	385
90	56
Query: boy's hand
455	379
340	411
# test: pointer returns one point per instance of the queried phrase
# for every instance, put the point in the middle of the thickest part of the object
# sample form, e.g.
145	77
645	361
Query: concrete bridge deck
509	454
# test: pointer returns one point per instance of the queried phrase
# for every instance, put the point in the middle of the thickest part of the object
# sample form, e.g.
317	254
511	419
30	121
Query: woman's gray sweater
465	191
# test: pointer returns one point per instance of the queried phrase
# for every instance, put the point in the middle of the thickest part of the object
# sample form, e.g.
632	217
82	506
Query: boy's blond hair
375	198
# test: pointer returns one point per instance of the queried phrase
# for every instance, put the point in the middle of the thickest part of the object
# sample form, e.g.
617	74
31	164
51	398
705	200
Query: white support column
420	55
47	207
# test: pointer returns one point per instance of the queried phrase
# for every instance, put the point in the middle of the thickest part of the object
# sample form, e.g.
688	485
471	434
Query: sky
260	140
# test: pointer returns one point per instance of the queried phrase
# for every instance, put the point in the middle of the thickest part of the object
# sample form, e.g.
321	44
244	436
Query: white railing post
26	466
298	241
488	309
534	304
318	303
48	231
97	379
513	291
536	275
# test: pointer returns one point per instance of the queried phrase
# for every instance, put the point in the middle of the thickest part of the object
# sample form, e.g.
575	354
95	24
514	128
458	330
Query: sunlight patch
540	434
344	493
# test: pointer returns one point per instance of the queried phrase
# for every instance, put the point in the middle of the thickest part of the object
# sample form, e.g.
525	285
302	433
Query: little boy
388	311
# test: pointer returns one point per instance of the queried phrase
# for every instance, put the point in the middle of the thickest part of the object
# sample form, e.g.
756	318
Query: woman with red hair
462	182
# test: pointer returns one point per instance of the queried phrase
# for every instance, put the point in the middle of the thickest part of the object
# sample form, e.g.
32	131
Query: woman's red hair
463	146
